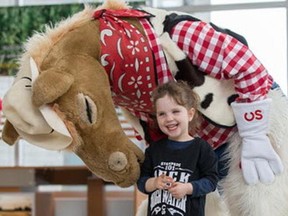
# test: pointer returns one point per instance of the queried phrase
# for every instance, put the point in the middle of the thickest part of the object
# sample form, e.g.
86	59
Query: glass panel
176	3
30	155
5	3
167	3
71	159
241	1
266	33
7	154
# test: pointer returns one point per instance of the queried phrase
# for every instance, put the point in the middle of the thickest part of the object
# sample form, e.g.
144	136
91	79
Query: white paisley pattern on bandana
127	57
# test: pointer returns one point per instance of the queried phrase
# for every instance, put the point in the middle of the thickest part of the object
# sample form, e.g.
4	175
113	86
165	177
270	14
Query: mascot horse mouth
119	168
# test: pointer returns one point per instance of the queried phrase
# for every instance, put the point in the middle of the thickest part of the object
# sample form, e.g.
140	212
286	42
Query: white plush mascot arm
234	63
259	161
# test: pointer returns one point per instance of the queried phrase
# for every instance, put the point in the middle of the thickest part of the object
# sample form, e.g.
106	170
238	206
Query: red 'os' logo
256	115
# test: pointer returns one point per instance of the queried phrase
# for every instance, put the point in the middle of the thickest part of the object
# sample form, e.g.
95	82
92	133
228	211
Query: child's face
173	119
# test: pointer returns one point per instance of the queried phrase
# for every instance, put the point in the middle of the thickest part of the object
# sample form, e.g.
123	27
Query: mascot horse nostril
117	161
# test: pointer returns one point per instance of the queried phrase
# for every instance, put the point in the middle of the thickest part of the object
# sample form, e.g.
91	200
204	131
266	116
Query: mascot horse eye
87	109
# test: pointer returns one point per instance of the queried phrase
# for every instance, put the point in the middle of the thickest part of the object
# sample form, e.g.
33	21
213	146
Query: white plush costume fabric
260	199
238	198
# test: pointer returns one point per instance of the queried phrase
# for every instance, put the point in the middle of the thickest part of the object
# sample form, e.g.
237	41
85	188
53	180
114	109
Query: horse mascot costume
72	75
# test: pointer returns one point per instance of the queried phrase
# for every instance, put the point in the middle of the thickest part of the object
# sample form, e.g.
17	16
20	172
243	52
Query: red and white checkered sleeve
223	57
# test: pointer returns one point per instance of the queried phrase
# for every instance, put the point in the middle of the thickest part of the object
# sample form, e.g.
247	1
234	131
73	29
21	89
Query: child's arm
202	187
208	165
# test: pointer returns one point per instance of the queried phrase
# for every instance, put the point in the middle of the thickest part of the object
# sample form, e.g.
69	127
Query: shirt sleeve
208	165
146	171
223	57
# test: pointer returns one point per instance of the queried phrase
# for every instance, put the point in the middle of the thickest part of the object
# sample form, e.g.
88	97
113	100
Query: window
240	1
266	39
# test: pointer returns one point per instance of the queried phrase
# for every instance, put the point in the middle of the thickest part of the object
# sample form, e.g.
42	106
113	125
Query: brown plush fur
67	58
9	134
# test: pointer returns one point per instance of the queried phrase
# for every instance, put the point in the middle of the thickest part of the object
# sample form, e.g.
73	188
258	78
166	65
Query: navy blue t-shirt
191	161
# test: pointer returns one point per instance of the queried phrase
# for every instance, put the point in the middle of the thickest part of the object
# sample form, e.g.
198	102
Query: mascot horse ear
50	85
9	134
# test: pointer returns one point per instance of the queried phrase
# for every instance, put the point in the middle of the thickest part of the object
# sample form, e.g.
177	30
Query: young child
180	170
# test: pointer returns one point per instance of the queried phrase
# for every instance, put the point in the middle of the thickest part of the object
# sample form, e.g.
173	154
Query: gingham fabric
163	72
222	57
215	136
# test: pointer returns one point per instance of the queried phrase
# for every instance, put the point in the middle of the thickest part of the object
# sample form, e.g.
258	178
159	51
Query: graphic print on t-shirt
161	201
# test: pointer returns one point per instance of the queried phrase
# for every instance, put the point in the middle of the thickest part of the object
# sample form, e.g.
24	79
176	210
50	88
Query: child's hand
179	190
163	182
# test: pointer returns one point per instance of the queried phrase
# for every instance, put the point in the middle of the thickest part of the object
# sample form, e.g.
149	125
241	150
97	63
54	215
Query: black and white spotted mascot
244	114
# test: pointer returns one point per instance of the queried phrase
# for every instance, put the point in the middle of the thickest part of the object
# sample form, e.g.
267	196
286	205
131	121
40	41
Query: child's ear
191	113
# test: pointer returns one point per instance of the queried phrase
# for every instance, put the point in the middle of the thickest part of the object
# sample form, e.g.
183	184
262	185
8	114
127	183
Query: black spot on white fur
232	98
207	101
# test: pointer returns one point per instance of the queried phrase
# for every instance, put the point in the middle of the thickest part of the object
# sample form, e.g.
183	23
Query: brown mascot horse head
74	84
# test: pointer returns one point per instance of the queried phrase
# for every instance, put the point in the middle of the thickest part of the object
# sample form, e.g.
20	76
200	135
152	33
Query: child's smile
173	119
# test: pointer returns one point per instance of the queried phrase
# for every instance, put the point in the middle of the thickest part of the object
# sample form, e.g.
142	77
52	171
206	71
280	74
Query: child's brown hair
183	95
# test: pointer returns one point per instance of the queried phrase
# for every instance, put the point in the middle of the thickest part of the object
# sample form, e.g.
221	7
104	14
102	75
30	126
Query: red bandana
127	59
